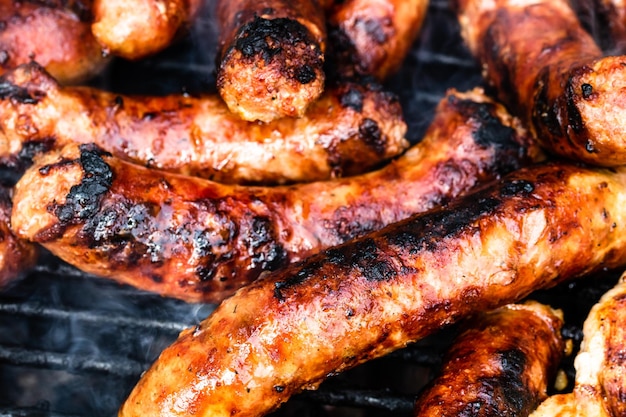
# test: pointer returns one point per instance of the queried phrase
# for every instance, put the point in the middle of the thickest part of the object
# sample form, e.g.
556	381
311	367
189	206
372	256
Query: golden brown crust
139	28
290	329
55	34
198	240
374	36
500	365
350	129
271	57
550	72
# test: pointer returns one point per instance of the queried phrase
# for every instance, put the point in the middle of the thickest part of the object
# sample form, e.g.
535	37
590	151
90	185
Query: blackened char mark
353	99
370	133
303	271
18	94
545	110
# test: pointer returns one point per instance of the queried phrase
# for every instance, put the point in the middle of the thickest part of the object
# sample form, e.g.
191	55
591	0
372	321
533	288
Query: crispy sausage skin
549	71
500	365
349	130
290	329
54	33
271	59
373	36
199	241
136	29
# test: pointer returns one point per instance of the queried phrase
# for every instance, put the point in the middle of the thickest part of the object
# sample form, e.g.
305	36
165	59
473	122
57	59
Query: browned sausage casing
135	29
199	241
271	57
55	33
350	130
290	329
500	365
551	74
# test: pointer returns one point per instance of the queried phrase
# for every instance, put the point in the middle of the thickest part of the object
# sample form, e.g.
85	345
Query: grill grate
72	345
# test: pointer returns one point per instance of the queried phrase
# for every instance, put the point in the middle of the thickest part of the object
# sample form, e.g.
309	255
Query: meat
199	241
350	129
500	365
600	385
136	29
373	36
55	33
271	57
290	329
549	71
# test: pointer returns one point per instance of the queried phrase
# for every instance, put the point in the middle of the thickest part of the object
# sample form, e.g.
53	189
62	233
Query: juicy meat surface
55	33
351	129
271	59
500	364
549	71
199	240
290	329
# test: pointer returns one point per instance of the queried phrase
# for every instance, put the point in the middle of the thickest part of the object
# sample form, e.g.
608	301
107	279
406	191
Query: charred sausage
271	57
54	33
290	329
199	241
139	28
551	74
500	365
351	129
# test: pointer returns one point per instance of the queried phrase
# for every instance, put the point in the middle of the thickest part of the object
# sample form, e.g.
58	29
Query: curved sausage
56	34
199	241
271	57
136	29
351	129
500	365
548	70
290	329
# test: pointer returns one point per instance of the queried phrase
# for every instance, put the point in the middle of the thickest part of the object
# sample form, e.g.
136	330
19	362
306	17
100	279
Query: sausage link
271	57
139	28
56	34
290	329
551	74
500	365
197	240
351	129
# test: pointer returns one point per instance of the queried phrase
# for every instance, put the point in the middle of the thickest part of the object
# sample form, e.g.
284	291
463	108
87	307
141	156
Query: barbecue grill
73	345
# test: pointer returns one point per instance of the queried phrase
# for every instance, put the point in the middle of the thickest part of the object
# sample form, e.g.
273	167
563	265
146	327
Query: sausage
549	71
55	33
139	28
199	241
271	58
373	36
351	129
500	365
290	329
600	385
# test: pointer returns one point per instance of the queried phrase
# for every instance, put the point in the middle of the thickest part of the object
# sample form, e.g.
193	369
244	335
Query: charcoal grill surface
73	345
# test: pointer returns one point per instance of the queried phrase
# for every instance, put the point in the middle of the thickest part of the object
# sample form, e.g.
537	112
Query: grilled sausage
550	73
271	57
199	241
140	28
500	365
600	386
351	129
373	36
290	329
54	33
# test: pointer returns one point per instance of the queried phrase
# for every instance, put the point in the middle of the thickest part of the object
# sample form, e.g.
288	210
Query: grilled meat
600	386
500	365
290	329
139	28
351	129
272	57
549	71
373	36
55	33
197	240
